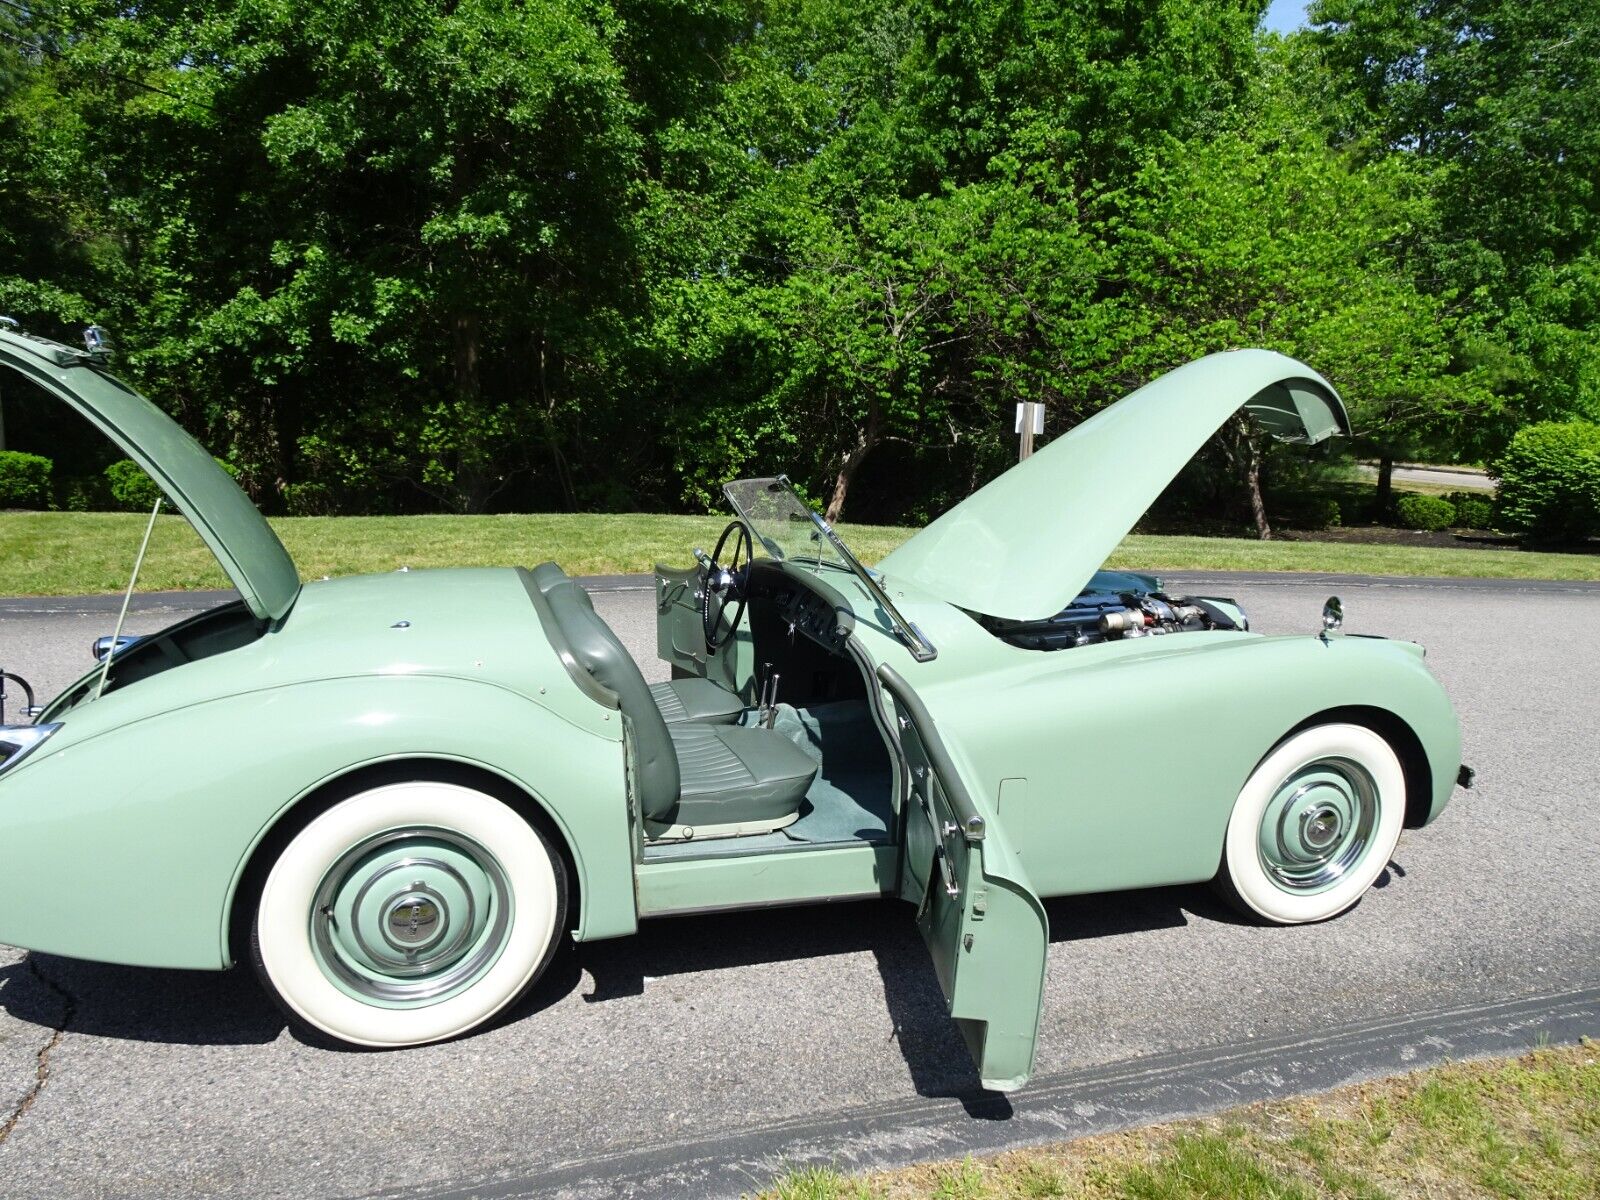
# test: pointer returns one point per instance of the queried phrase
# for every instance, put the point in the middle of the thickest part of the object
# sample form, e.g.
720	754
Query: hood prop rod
105	667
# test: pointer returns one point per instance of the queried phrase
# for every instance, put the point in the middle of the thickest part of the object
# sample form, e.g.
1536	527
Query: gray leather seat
731	775
699	700
743	780
677	700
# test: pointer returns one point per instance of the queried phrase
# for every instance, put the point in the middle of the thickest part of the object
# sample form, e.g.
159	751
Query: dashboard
812	615
800	629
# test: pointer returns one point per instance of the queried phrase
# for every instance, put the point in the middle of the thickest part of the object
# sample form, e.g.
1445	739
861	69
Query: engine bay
1117	606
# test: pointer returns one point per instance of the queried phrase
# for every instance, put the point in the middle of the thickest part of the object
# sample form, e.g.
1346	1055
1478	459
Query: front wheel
1314	825
407	914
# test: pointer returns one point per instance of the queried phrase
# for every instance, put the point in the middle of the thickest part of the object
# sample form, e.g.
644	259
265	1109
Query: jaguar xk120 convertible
395	794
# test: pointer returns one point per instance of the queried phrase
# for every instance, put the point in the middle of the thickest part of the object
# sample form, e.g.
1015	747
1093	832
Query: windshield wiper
921	648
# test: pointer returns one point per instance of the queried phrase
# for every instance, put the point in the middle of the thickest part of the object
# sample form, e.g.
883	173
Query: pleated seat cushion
733	775
695	700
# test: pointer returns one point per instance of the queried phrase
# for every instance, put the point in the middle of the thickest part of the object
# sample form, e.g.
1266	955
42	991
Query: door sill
802	874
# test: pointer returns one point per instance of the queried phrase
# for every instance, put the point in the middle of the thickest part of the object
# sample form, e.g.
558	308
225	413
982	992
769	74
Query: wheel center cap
1320	827
414	920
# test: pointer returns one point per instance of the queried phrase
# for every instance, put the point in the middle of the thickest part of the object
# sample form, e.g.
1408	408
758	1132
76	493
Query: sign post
1030	423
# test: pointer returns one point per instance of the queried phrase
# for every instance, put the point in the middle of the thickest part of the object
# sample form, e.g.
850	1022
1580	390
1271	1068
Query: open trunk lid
223	515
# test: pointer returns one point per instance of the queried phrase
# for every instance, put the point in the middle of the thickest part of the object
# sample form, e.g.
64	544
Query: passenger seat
678	700
694	780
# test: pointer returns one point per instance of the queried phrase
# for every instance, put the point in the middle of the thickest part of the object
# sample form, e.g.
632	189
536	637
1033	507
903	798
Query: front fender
128	845
1116	766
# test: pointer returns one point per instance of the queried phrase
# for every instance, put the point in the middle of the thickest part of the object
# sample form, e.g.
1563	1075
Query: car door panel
680	637
985	928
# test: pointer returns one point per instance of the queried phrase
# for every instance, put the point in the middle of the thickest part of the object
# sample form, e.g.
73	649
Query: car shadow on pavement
204	1008
932	1045
144	1004
1111	914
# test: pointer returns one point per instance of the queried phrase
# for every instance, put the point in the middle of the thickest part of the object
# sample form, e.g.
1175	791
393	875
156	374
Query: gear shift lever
768	712
772	702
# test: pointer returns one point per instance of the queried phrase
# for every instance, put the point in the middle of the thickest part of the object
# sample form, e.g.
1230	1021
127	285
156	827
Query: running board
803	875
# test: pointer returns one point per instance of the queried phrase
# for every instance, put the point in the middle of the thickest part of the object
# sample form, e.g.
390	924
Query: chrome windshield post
916	641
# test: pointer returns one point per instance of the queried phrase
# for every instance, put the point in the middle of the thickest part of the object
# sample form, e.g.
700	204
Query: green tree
1495	102
1260	236
392	230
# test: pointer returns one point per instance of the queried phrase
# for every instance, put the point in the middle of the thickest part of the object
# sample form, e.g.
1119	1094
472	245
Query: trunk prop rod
105	667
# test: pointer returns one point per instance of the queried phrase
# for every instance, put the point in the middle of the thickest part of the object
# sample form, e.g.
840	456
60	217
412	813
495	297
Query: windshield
782	522
791	532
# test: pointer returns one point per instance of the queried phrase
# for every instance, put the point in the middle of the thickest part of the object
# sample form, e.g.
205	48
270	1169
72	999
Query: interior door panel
984	926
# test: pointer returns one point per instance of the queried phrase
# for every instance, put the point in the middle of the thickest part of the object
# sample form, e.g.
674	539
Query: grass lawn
47	554
1526	1128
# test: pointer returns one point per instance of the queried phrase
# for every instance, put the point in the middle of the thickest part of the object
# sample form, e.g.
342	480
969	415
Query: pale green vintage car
395	794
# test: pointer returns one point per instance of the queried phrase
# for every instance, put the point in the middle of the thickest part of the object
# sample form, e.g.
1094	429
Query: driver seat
693	779
690	699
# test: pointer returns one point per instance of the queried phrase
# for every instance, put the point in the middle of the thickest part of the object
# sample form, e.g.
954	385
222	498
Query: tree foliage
590	254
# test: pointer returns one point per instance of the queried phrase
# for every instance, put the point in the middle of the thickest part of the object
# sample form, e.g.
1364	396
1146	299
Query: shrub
1425	512
24	480
309	499
1309	512
135	491
130	487
1550	481
1474	512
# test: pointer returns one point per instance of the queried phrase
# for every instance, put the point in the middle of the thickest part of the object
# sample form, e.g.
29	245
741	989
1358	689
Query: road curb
1053	1108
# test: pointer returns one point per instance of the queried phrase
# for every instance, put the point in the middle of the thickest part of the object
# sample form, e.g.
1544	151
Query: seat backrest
548	575
604	656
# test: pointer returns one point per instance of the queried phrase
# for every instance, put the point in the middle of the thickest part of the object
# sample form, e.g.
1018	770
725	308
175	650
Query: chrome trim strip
26	739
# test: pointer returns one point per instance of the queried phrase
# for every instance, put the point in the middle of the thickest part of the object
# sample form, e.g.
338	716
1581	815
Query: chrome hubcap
410	917
1318	824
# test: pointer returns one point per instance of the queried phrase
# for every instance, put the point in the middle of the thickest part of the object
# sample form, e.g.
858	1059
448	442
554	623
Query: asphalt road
1462	480
748	1038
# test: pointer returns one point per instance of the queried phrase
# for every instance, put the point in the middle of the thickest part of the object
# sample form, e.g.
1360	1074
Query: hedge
1550	481
131	488
1425	512
134	490
1473	511
24	480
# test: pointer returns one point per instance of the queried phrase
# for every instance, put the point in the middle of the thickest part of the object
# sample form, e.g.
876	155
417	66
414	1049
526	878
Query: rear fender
134	841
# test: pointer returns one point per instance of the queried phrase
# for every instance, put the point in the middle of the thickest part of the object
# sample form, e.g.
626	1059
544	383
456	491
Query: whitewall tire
1314	825
407	914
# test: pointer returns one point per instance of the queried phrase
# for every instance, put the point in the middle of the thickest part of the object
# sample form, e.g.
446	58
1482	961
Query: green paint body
1104	767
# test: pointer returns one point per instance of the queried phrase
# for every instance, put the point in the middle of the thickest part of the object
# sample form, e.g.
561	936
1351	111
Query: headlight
18	741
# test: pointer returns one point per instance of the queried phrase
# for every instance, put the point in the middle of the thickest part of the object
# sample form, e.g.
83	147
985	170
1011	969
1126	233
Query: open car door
681	636
984	925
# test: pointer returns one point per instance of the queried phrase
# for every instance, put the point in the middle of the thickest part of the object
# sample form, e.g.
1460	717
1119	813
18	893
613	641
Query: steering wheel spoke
724	582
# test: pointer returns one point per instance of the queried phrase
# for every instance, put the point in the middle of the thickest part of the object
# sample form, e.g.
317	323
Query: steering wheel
722	582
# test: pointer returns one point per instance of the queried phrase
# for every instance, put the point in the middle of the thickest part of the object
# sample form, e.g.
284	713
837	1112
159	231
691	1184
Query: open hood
230	525
1022	546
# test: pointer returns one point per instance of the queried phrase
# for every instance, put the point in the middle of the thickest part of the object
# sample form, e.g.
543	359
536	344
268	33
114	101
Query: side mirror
1332	616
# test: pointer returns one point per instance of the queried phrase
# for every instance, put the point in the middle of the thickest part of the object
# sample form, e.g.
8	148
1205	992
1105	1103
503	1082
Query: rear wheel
410	913
1314	825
